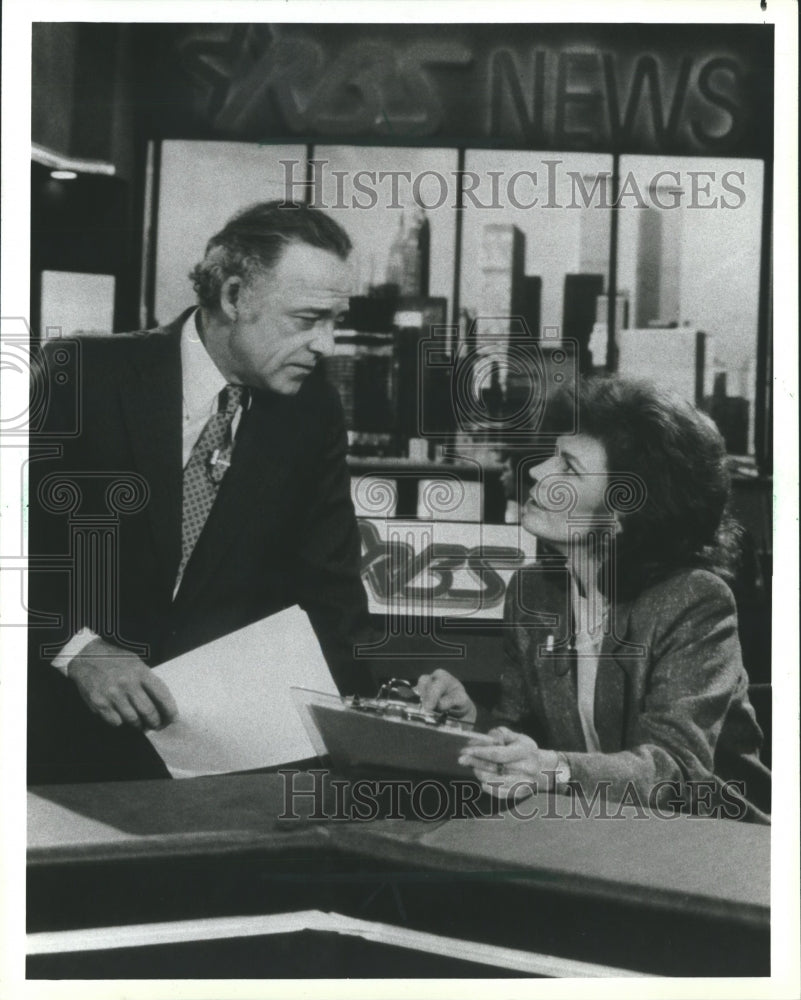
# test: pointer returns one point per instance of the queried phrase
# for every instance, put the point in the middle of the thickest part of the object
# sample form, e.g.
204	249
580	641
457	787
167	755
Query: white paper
235	712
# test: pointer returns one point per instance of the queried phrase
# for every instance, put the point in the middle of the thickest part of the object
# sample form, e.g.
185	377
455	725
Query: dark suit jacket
282	529
671	696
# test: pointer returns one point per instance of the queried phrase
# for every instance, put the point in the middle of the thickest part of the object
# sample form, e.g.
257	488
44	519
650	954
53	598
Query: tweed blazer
671	698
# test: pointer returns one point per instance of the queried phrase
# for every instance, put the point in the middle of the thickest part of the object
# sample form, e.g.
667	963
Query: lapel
618	662
556	678
151	399
267	443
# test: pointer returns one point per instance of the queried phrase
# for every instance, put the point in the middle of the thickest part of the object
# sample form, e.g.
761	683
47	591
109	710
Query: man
226	449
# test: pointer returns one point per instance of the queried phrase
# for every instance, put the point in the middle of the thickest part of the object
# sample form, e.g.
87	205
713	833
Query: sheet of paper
235	712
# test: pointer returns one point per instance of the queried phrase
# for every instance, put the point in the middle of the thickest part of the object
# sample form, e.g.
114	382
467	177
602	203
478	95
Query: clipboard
387	733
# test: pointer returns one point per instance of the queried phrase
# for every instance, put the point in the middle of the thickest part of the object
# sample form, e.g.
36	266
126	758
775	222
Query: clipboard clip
398	699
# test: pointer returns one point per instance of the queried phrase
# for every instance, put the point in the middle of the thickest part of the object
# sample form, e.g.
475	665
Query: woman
623	669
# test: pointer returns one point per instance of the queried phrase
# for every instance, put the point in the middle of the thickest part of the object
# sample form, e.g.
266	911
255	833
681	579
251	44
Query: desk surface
705	867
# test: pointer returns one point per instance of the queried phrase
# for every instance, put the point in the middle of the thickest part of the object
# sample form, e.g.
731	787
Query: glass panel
202	184
534	229
76	303
688	264
380	195
398	207
535	270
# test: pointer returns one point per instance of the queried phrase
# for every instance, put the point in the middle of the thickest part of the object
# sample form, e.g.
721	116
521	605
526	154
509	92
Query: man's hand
441	692
120	688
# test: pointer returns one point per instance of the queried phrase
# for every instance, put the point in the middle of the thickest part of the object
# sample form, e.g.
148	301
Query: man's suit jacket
671	695
282	529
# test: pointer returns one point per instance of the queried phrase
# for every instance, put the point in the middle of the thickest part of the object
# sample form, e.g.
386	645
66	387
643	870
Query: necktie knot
231	397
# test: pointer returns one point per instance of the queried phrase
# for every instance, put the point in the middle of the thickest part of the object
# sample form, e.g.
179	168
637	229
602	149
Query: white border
14	295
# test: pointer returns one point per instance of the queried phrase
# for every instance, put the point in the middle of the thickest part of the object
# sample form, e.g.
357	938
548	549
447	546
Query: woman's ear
229	297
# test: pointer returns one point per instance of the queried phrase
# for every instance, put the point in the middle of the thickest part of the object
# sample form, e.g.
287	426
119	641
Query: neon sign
631	88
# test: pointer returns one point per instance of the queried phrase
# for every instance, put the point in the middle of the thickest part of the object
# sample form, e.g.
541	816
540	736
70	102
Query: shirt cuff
71	649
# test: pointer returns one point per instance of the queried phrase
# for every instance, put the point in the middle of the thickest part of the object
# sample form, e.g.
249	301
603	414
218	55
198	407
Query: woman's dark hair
254	239
675	457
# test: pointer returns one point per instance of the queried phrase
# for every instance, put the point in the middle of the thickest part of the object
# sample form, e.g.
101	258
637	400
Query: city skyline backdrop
718	263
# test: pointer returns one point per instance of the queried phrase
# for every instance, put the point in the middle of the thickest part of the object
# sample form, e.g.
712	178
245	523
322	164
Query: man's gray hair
254	239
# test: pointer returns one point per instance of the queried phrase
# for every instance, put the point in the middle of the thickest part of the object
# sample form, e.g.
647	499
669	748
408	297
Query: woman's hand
441	692
513	766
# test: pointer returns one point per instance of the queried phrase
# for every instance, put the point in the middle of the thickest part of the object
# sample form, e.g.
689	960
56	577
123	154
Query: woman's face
568	488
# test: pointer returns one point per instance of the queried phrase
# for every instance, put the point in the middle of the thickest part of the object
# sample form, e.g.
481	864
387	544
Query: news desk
209	878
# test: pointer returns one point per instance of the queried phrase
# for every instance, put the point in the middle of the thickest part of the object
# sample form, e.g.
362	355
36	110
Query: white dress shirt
202	383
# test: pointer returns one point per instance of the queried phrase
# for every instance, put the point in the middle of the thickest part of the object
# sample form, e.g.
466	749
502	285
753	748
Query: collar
589	616
202	381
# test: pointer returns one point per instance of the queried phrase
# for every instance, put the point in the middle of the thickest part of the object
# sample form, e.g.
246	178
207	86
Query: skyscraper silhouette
409	255
658	292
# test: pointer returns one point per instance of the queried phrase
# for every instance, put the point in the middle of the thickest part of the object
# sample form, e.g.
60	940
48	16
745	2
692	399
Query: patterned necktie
205	469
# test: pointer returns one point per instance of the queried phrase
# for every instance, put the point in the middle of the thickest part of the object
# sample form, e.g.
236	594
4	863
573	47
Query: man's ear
229	297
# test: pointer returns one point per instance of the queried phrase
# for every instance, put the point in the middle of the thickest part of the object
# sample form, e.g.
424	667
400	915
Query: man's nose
322	343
